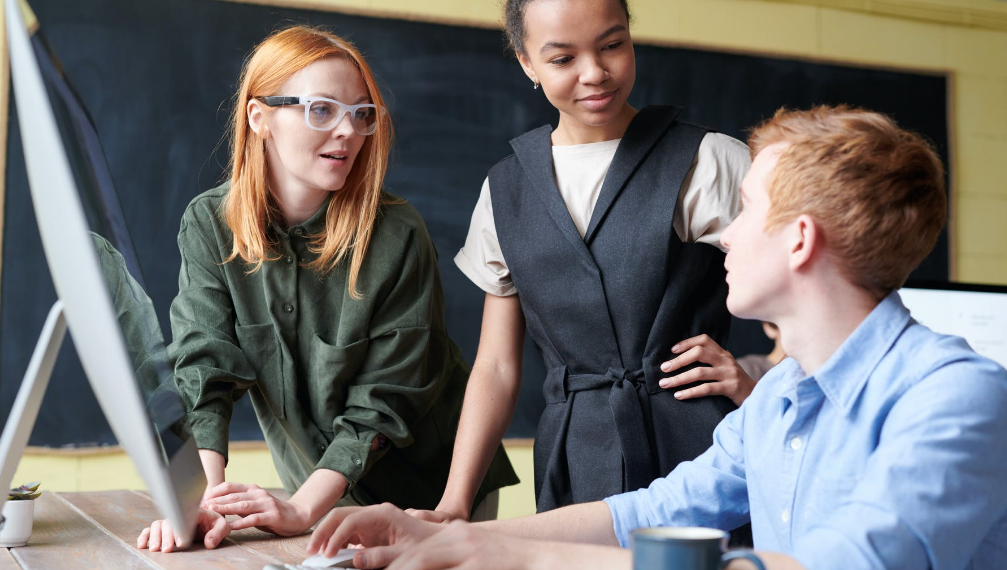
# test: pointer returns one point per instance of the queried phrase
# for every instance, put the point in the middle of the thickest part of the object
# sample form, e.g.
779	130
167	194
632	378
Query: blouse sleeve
211	371
709	199
480	259
408	364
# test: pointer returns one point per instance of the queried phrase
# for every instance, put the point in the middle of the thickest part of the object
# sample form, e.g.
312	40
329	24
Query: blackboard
158	76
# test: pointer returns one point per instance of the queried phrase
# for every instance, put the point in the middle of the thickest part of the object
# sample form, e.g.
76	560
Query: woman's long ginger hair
249	207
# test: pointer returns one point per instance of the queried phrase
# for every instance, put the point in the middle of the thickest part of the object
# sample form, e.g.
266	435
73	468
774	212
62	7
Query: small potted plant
18	514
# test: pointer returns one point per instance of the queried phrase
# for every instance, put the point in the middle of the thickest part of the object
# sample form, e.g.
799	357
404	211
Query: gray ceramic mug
685	548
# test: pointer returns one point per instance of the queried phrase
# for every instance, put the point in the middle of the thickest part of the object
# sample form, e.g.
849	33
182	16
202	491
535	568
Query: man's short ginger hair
875	190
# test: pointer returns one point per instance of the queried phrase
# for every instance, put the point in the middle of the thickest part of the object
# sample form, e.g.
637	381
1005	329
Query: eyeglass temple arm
278	101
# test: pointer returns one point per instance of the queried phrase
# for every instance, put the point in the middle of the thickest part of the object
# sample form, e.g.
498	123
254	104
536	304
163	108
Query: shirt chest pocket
333	369
262	350
828	493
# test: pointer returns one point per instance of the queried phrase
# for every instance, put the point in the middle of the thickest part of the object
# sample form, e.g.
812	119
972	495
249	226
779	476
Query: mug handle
742	553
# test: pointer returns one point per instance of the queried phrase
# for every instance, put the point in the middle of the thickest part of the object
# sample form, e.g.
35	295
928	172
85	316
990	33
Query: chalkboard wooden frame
535	113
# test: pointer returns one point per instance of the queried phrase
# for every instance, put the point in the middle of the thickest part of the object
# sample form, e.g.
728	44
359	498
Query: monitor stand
29	397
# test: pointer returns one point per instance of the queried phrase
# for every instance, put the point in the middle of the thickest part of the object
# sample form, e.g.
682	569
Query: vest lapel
534	151
646	128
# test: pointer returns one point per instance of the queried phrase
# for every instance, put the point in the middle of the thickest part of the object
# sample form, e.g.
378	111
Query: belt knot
618	375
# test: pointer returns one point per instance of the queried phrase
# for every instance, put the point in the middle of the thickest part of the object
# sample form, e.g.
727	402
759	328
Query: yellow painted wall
104	469
975	57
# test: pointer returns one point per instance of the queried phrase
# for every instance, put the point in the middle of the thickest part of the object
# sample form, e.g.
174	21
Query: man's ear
805	241
257	118
526	66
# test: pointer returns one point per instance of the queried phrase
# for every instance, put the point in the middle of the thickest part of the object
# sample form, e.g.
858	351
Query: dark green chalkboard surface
157	77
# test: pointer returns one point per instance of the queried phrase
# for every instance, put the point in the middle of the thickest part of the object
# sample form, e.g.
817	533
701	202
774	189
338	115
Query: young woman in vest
601	237
306	286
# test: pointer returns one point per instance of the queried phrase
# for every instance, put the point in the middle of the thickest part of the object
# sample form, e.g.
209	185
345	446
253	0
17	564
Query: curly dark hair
514	21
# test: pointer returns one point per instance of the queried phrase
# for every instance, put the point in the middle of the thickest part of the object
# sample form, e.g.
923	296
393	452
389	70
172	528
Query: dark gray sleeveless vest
604	310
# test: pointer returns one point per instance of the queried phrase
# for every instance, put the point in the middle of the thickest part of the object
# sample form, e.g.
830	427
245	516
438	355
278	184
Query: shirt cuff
626	516
352	456
468	267
209	429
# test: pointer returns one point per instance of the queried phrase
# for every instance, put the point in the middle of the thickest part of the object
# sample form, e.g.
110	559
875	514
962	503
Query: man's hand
723	377
462	545
383	530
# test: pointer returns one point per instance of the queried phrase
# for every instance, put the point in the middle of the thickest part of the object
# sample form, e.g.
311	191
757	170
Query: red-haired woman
307	287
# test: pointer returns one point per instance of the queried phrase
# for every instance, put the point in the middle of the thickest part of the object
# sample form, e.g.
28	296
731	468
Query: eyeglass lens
325	115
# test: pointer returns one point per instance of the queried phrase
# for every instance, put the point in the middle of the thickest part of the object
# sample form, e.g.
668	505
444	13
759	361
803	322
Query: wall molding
988	14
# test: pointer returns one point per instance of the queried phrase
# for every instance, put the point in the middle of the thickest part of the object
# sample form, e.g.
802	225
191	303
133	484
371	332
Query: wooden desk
99	530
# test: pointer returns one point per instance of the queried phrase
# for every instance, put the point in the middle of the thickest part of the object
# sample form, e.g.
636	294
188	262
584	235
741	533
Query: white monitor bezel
88	309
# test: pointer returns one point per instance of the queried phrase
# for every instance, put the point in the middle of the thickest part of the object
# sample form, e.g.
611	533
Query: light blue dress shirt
892	455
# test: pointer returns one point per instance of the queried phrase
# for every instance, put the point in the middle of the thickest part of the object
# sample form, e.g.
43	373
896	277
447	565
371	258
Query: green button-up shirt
327	374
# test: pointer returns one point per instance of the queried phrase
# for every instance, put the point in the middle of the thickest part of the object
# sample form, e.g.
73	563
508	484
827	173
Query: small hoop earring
535	83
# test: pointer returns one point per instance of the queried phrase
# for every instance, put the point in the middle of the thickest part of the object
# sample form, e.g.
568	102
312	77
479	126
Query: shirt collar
845	373
313	226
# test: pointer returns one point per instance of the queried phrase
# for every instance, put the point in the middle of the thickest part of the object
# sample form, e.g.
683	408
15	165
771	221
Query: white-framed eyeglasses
324	114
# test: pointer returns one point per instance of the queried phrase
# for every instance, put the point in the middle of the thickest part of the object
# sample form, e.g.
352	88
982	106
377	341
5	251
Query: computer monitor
99	287
977	313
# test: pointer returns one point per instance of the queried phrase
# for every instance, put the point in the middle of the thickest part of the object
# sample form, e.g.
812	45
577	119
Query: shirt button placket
291	258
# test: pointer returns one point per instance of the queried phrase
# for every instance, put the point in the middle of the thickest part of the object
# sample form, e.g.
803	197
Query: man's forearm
589	523
559	556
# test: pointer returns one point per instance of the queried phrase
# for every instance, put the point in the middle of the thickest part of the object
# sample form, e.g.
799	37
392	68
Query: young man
877	444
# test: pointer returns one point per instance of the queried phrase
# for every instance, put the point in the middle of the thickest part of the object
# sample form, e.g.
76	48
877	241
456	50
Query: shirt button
290	259
785	517
288	307
321	447
796	443
357	461
299	232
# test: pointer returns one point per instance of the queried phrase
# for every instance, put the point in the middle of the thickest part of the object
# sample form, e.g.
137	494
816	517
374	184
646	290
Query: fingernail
678	395
178	541
674	348
663	384
360	560
666	367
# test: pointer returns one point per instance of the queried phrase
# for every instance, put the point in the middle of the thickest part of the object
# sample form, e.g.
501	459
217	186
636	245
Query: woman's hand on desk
383	530
258	508
159	536
723	376
437	516
446	511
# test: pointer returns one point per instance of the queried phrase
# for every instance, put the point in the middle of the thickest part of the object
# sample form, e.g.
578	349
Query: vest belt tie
628	414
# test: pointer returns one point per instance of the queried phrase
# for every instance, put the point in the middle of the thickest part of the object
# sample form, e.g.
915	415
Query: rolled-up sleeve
709	491
933	488
709	199
403	371
481	259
